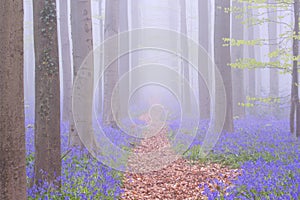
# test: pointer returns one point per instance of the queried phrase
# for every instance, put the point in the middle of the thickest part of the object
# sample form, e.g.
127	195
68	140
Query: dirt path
172	180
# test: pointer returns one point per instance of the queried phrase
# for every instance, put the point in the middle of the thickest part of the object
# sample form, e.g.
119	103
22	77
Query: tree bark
12	130
82	40
222	58
47	99
101	62
257	50
237	53
204	96
65	60
124	60
295	107
251	52
135	24
111	28
272	32
185	53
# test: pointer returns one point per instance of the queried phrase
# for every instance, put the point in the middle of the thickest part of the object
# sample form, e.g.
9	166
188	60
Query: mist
139	99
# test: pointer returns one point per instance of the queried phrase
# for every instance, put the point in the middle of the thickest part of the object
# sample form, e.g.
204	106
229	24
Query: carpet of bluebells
83	177
268	156
265	151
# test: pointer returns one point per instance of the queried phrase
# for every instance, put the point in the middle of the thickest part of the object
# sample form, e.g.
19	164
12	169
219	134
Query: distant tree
259	82
12	130
174	21
258	57
184	64
124	60
47	93
295	105
65	60
101	62
135	24
135	38
237	52
280	57
251	55
222	58
273	46
82	40
204	98
111	28
272	32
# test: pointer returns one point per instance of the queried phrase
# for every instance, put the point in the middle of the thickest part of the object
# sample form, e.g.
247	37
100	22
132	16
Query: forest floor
259	160
180	179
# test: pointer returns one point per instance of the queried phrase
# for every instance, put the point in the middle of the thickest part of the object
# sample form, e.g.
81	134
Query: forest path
180	179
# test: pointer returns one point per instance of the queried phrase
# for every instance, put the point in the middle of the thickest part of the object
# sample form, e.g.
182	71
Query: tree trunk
12	131
251	52
295	107
111	28
237	53
135	24
136	38
204	98
124	60
82	40
174	25
65	60
47	99
274	76
101	62
272	32
222	58
257	50
259	82
184	65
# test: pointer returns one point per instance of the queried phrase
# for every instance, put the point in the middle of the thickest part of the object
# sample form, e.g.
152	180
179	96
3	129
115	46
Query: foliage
283	52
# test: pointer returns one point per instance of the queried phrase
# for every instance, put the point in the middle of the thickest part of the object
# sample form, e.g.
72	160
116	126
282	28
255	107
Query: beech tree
101	61
12	130
82	40
290	34
124	60
295	105
222	58
111	28
47	93
258	57
237	53
65	60
135	24
272	32
251	55
204	98
184	65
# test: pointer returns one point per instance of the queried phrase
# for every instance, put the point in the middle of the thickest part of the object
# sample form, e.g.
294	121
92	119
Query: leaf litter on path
176	178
